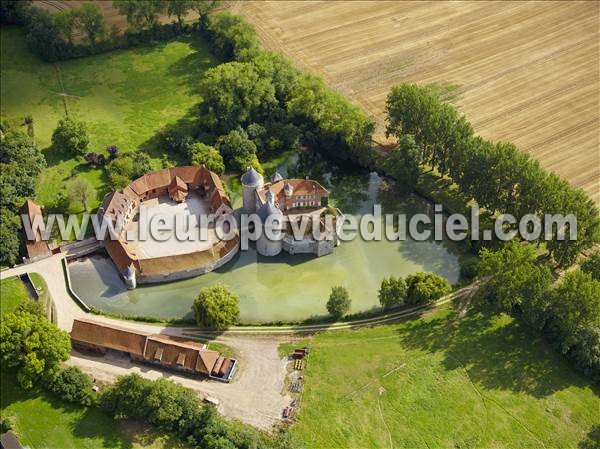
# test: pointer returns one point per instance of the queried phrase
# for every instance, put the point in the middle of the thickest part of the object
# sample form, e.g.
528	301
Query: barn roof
108	336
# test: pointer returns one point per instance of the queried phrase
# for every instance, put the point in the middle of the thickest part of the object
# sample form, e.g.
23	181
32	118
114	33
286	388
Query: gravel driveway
255	395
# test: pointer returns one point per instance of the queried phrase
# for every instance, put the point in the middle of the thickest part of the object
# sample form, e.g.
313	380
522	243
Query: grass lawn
12	293
124	97
43	421
443	381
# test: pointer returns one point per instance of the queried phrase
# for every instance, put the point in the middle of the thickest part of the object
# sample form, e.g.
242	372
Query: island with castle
195	190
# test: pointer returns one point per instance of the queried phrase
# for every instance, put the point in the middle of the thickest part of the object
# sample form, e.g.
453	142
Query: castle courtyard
151	248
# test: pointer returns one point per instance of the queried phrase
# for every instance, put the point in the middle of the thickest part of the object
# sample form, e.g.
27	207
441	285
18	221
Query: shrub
123	170
403	163
575	306
392	292
339	302
202	154
177	142
6	423
94	159
31	306
113	152
423	288
216	307
73	385
71	137
230	36
237	149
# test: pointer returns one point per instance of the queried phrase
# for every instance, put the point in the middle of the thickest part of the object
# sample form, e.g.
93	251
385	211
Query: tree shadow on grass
497	354
191	68
143	436
187	125
55	155
93	423
592	439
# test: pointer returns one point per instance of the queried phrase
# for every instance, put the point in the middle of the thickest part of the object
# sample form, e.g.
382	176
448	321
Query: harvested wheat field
524	72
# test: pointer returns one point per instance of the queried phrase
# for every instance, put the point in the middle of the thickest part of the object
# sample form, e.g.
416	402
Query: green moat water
285	287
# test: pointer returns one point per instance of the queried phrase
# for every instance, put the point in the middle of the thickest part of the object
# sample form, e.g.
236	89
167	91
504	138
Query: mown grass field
12	293
125	97
524	72
443	381
42	421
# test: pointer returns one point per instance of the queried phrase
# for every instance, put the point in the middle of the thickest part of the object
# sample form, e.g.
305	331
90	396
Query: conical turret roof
251	177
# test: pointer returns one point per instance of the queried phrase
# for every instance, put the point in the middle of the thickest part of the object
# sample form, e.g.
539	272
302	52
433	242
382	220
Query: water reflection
289	287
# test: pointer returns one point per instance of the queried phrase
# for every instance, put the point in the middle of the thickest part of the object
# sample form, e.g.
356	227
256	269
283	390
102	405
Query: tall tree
234	94
203	7
43	36
179	9
202	154
81	192
33	346
66	23
216	307
592	265
91	21
71	136
237	149
576	308
392	292
141	13
230	36
9	236
403	163
515	276
339	302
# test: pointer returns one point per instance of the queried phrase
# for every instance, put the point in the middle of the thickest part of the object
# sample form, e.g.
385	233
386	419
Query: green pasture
444	381
124	96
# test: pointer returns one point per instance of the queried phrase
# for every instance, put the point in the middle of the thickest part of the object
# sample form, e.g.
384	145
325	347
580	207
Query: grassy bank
443	381
12	293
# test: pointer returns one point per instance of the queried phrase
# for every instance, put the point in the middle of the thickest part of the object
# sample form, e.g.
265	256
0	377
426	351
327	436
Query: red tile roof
37	246
169	351
179	178
108	336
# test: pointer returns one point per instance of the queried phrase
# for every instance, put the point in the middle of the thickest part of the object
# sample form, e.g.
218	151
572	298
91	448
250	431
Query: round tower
251	182
129	277
264	245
